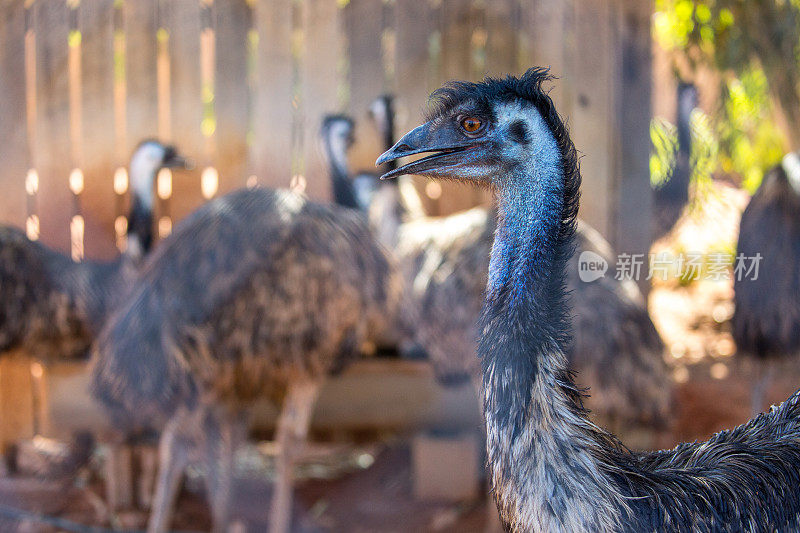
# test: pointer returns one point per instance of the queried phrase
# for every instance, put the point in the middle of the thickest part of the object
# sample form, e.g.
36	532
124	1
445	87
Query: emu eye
471	124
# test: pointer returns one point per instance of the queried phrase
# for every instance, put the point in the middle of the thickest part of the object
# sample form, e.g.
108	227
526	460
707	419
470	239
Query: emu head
381	111
483	132
337	136
148	158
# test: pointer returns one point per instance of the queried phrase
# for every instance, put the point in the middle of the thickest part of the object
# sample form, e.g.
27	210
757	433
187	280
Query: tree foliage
756	45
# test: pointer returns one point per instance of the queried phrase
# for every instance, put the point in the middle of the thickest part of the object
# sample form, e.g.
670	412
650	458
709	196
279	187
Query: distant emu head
483	132
337	132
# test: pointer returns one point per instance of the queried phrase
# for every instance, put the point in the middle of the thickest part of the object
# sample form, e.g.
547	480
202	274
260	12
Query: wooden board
323	27
592	117
96	23
183	24
13	130
16	400
633	199
377	394
366	76
51	153
233	22
273	100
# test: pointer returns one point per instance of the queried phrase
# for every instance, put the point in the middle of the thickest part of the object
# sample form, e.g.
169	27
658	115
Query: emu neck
343	193
140	217
544	464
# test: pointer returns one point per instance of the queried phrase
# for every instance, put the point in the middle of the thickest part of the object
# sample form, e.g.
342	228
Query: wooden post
324	38
96	24
13	131
233	23
592	118
366	76
183	24
633	195
273	101
16	399
52	151
418	73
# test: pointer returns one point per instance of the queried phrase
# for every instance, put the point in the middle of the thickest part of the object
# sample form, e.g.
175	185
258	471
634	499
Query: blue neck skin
530	204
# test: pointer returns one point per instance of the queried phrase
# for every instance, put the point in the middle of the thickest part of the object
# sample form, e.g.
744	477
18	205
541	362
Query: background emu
617	351
257	292
671	197
766	322
52	306
551	469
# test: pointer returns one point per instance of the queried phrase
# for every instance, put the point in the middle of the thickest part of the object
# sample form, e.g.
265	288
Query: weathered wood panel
13	130
17	410
233	26
183	24
378	394
96	23
632	202
364	24
273	101
592	119
409	46
418	33
324	46
51	153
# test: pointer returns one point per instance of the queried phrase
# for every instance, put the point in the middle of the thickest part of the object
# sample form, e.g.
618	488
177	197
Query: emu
551	468
616	351
53	306
671	197
766	320
257	293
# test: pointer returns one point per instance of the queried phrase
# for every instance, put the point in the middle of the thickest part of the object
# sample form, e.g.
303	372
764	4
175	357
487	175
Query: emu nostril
403	148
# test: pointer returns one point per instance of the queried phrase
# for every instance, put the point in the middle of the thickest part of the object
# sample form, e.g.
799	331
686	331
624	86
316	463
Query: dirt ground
374	492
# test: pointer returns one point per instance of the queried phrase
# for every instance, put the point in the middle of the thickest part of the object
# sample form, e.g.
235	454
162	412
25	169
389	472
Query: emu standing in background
671	197
551	468
51	306
616	351
766	322
259	292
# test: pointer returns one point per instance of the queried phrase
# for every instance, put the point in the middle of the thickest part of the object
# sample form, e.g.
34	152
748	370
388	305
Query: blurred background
684	102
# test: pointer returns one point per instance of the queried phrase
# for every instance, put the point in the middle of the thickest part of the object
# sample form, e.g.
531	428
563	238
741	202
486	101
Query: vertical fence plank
324	47
418	73
366	75
183	24
502	24
545	23
13	130
52	150
16	400
458	17
632	225
273	98
233	22
592	113
96	23
140	22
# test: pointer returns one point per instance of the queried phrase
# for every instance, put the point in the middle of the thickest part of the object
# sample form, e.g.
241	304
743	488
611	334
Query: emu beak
178	161
423	139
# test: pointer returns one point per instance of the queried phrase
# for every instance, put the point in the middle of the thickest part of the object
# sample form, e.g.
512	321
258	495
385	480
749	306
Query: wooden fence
241	85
